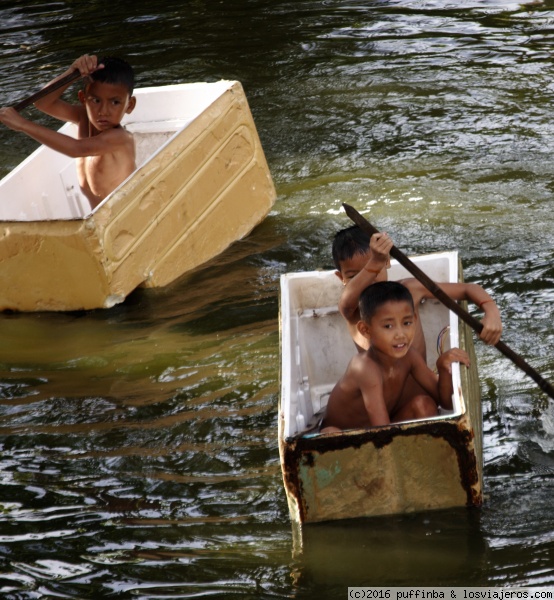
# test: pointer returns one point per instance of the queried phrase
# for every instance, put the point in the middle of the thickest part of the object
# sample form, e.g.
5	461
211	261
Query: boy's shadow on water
439	548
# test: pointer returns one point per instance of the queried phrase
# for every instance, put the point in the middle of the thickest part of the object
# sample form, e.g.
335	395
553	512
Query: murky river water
138	444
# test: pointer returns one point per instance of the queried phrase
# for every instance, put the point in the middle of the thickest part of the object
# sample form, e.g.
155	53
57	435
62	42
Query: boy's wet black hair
349	242
117	71
378	293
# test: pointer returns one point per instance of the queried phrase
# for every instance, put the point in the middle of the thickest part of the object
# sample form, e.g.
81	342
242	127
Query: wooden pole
19	106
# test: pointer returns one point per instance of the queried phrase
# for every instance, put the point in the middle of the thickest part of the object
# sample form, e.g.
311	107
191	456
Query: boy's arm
107	141
444	367
472	292
371	386
423	375
53	105
379	248
439	388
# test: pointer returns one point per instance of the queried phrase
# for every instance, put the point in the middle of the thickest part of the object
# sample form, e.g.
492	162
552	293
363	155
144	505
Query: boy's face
391	329
350	267
106	104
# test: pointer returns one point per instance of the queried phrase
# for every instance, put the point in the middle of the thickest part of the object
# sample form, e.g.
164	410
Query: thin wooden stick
439	294
19	106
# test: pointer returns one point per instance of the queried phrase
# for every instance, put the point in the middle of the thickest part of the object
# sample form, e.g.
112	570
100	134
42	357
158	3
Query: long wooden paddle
449	302
19	106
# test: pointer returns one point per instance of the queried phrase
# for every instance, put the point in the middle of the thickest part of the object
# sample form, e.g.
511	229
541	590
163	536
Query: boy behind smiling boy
104	150
361	262
372	390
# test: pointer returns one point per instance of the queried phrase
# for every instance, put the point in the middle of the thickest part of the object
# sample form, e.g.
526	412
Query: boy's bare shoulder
417	289
362	365
410	282
118	132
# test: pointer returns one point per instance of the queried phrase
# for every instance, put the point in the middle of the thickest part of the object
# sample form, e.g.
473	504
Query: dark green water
138	445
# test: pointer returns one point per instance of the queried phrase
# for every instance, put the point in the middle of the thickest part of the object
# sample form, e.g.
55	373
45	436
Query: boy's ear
81	96
131	105
363	328
339	275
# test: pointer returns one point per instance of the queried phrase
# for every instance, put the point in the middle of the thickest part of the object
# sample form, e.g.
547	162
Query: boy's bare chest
394	377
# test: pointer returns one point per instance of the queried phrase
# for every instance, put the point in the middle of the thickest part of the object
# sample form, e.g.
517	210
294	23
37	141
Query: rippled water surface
139	453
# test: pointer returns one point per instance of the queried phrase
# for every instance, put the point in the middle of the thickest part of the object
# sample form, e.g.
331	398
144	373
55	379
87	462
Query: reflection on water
439	548
139	454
